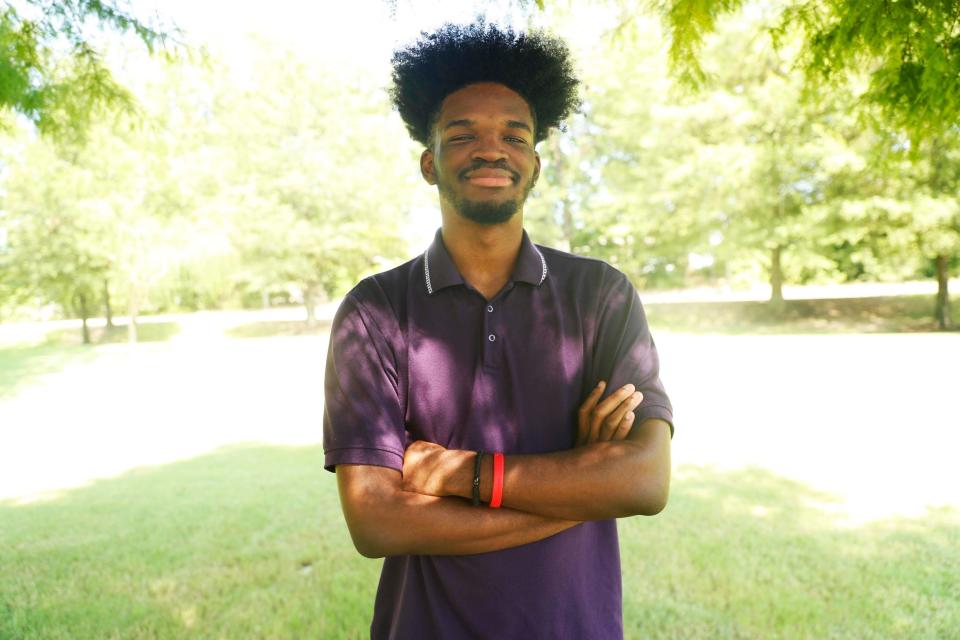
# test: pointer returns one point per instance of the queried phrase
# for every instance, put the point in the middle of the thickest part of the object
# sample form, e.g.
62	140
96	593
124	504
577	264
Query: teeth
491	182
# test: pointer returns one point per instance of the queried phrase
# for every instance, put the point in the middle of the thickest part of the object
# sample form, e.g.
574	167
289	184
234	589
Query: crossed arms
616	469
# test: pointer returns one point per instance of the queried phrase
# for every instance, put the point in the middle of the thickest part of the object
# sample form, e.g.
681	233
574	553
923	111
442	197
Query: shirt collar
440	272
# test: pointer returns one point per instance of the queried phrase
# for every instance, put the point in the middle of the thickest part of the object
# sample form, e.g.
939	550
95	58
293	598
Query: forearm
384	520
593	482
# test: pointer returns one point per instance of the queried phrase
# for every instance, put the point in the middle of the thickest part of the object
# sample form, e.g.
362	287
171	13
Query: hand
610	419
428	468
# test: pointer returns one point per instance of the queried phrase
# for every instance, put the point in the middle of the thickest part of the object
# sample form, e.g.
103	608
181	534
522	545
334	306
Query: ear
536	170
427	168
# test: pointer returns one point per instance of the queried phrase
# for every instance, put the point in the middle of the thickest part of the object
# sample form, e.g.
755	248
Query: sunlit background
171	263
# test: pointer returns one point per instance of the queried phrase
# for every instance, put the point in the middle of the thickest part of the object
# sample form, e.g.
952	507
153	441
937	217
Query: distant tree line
288	182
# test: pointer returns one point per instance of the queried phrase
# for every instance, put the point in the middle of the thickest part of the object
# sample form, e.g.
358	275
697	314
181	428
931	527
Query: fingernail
600	384
630	417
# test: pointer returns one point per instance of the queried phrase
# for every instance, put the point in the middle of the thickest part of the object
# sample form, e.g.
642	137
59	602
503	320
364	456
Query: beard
483	212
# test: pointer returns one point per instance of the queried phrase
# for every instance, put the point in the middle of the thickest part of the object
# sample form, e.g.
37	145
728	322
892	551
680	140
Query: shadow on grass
247	542
250	542
749	554
117	334
893	314
274	328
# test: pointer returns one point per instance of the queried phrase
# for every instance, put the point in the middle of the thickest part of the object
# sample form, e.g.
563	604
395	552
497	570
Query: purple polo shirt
416	353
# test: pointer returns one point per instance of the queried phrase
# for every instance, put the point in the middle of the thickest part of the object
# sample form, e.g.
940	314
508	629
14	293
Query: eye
461	138
515	139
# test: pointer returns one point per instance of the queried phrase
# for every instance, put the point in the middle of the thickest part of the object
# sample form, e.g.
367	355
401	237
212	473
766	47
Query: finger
590	402
613	400
612	422
623	430
583	416
593	397
603	410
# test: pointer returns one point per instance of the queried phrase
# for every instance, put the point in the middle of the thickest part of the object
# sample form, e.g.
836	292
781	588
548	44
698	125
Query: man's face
482	157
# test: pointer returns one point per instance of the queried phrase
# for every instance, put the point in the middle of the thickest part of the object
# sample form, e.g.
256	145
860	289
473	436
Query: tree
57	245
312	196
51	63
900	60
616	182
112	214
791	150
672	187
258	181
912	51
899	215
53	75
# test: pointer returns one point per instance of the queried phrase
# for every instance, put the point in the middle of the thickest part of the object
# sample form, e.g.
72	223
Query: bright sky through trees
361	32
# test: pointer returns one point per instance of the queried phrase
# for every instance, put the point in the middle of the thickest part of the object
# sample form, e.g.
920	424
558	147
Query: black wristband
476	479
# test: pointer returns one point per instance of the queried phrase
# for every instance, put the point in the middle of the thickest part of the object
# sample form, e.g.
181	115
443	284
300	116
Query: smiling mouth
490	178
481	181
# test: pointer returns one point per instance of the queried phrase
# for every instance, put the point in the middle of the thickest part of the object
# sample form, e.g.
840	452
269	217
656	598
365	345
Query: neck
484	254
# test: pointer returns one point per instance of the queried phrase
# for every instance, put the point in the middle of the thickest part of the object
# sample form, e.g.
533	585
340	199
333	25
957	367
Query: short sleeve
625	351
362	416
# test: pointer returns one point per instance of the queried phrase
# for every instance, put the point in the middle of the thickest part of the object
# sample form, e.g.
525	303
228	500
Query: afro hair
535	65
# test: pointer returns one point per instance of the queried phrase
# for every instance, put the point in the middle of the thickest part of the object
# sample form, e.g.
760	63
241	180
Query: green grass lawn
745	554
269	329
244	543
891	314
22	365
118	333
249	542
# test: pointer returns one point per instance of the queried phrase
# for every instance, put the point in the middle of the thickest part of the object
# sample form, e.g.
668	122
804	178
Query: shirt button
489	308
491	337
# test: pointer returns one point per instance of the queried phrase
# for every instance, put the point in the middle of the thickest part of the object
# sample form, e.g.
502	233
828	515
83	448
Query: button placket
493	344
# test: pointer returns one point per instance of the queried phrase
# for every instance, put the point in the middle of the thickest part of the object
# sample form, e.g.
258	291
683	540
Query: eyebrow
465	122
516	124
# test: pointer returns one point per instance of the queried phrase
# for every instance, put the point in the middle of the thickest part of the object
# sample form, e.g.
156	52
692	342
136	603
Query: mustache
481	164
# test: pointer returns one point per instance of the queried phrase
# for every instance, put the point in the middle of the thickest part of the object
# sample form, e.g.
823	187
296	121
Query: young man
489	344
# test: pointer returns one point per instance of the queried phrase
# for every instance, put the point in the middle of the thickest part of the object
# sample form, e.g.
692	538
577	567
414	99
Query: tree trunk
106	303
942	312
134	309
132	329
776	277
310	302
84	314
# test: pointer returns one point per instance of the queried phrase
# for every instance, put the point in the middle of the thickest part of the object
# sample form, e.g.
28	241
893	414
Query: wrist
459	481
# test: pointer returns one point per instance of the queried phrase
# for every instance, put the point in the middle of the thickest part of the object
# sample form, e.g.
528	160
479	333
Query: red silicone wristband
497	496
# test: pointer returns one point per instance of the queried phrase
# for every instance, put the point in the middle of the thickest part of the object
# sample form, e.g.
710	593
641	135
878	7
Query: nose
489	147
